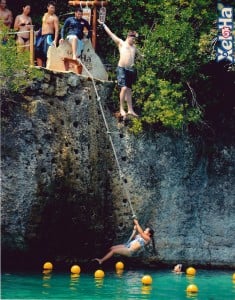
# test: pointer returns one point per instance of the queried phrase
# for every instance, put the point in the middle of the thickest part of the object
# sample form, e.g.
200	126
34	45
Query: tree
175	38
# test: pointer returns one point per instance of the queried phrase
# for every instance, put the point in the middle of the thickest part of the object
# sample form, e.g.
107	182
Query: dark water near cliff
212	285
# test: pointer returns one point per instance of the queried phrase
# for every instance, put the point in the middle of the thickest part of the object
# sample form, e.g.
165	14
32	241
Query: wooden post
31	45
95	4
94	18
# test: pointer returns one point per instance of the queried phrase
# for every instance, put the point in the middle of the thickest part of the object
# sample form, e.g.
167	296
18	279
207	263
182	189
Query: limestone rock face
186	195
55	156
62	197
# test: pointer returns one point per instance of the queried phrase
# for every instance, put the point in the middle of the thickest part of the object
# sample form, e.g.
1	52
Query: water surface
212	285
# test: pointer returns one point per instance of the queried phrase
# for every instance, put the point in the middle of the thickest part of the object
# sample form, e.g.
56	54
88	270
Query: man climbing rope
126	74
138	242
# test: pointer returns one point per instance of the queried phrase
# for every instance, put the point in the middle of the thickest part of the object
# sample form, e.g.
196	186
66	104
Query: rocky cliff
62	197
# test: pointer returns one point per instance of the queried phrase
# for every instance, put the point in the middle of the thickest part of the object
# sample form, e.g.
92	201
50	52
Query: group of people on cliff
48	34
73	31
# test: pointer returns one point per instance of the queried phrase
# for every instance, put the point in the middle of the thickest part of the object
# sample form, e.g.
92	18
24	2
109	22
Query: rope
14	32
111	141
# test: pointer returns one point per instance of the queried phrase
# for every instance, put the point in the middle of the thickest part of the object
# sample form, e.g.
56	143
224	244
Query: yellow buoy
191	271
147	280
99	274
233	277
75	269
119	265
146	289
74	276
46	272
48	266
119	272
192	288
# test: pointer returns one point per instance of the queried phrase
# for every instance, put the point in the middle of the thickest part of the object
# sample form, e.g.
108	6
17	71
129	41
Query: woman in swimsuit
22	25
139	242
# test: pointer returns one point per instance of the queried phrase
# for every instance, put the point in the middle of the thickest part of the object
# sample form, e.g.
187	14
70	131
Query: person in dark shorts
48	34
126	77
126	74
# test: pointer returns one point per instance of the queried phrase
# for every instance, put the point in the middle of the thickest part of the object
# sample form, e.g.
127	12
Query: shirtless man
126	74
5	14
22	25
49	34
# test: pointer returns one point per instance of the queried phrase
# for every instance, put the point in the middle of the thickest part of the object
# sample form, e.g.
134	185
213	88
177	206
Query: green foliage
15	72
175	39
167	104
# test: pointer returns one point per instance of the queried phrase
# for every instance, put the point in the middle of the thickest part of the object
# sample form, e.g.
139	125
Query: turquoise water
212	285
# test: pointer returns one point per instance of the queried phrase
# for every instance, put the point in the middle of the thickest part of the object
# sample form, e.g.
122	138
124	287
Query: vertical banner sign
225	49
102	14
87	16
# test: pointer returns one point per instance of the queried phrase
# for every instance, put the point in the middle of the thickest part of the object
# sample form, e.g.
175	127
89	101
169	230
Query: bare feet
123	113
98	260
132	113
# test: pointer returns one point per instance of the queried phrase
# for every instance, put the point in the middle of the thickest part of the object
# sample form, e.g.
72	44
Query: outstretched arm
113	36
64	28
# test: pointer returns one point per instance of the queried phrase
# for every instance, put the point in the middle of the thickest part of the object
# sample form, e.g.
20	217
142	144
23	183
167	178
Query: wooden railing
31	41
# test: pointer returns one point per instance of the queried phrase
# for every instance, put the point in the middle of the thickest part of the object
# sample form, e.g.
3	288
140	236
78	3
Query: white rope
111	141
15	32
27	31
22	46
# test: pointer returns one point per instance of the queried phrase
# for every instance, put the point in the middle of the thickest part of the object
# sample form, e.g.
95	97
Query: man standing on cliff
126	74
49	34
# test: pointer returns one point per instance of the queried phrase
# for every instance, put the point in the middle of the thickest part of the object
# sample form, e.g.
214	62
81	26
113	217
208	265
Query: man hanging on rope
138	242
126	74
